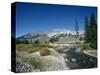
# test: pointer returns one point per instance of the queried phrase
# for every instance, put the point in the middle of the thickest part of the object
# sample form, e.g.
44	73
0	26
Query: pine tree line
90	35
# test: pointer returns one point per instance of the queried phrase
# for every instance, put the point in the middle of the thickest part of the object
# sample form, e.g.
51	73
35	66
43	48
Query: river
78	60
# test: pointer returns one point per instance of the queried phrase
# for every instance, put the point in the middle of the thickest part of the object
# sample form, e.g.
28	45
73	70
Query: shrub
36	42
86	46
44	51
18	41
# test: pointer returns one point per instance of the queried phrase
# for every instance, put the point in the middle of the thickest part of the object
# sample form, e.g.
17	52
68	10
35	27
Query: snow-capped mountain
62	32
55	34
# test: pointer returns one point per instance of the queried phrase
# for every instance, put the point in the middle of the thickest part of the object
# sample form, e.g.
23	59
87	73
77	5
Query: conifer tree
87	30
93	32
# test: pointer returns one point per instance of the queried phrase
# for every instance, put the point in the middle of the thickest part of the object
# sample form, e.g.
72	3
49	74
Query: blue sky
31	17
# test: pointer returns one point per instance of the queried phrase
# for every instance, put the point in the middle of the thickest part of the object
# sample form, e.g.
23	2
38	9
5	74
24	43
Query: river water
79	60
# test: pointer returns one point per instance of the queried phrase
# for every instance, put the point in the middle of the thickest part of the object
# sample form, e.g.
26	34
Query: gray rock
23	67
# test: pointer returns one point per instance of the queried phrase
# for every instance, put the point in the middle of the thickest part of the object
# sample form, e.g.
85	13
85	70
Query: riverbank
91	52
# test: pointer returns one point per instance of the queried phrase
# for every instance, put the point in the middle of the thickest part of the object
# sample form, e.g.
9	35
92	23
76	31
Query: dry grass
30	48
44	51
27	47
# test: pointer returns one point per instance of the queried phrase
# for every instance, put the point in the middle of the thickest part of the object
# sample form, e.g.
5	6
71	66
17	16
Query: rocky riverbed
78	60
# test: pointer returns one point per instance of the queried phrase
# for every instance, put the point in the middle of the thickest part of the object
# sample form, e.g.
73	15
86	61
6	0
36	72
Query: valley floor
61	57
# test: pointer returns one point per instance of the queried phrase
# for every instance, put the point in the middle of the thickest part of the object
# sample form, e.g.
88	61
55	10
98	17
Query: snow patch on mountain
57	32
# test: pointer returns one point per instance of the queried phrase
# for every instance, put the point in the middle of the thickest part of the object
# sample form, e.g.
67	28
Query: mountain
62	33
34	36
57	34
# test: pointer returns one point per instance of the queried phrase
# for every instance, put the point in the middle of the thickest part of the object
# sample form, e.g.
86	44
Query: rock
90	59
66	60
23	67
73	60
